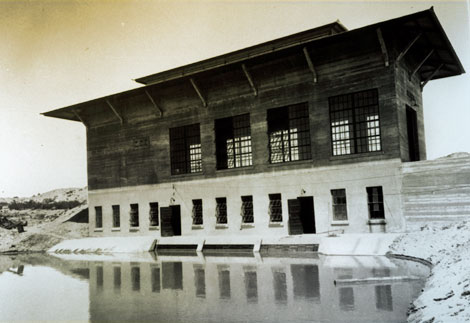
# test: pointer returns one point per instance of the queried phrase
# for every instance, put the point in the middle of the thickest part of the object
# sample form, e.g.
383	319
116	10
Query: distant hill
57	195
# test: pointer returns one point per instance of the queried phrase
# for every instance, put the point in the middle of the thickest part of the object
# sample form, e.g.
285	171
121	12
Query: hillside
47	216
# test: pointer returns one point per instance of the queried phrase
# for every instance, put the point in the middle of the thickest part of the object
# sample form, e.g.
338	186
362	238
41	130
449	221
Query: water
199	288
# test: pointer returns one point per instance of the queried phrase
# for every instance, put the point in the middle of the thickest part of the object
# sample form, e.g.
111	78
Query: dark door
170	221
176	219
307	214
301	215
295	224
412	127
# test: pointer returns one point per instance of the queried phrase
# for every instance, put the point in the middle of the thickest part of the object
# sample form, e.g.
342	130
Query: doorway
170	221
412	127
301	215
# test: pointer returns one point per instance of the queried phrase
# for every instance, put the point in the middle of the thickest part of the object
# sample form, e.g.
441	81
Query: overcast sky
58	53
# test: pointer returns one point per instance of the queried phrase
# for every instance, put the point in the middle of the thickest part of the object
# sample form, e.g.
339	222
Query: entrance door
301	215
170	221
412	127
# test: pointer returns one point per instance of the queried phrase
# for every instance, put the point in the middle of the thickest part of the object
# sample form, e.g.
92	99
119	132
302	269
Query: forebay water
202	288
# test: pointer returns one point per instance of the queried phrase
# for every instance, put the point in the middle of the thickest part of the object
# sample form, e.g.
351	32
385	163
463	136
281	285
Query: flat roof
421	29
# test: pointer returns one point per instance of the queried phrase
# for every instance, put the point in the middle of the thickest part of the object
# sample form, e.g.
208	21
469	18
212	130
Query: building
302	134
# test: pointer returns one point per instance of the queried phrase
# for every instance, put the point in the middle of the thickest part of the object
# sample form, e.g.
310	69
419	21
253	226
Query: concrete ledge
105	245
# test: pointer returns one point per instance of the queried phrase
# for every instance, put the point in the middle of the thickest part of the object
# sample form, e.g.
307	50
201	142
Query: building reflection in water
195	288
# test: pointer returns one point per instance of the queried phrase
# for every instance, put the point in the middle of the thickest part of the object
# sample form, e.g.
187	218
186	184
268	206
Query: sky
58	53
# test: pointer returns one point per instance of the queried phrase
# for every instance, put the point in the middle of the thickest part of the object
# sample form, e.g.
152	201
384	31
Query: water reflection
202	289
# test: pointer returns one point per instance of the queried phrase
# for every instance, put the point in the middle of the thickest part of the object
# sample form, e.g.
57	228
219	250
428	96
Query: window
134	215
275	208
289	133
185	150
340	212
98	217
221	210
247	209
197	212
376	202
116	216
233	142
355	126
153	214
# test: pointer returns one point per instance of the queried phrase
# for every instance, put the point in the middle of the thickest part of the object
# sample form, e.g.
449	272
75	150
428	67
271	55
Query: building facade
300	135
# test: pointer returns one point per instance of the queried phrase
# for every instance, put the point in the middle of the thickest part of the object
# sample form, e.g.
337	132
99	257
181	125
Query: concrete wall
314	181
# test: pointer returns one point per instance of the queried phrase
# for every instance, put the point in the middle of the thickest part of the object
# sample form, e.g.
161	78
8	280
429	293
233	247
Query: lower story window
153	214
376	202
221	210
340	212
247	209
197	212
98	217
116	216
134	215
275	208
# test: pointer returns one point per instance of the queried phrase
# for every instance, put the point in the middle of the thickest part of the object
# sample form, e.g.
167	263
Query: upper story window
289	133
185	150
355	125
233	142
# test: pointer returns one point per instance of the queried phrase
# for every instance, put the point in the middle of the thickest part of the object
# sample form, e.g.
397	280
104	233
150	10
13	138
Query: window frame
221	212
336	204
134	216
116	215
282	125
153	216
185	159
197	213
355	135
98	217
234	131
247	210
275	211
371	203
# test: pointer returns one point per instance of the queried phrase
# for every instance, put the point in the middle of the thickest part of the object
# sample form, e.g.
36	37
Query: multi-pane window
376	202
340	212
355	125
197	212
289	133
233	142
221	210
275	208
134	215
153	214
247	209
185	150
116	216
98	217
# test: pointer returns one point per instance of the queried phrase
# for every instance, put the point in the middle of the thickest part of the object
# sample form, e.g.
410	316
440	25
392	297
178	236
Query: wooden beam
115	111
431	75
154	104
80	118
250	80
421	63
383	47
403	53
204	103
310	64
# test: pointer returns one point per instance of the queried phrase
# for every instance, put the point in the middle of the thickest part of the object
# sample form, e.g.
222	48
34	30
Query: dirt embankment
446	295
47	225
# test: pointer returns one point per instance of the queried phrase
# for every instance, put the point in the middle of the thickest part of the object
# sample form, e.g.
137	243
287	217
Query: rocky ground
45	227
446	295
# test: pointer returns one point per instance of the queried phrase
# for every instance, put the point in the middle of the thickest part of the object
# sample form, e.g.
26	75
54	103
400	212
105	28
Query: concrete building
303	134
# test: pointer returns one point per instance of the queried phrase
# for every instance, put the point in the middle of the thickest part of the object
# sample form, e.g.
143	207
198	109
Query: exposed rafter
383	47
431	75
159	110
250	80
75	112
310	65
403	53
115	111
421	63
204	103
